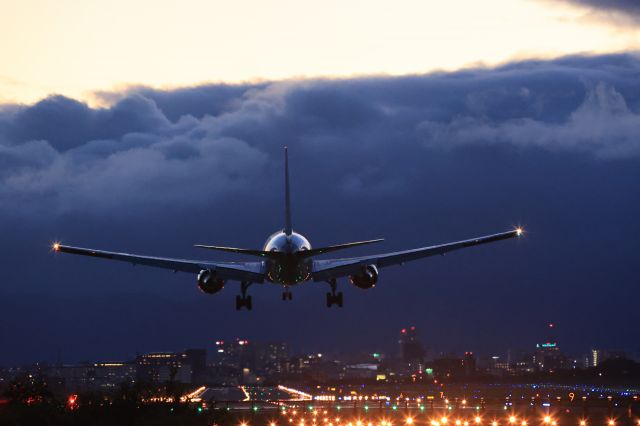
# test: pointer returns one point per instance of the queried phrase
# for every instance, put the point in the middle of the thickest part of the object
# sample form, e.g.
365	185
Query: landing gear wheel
334	299
243	302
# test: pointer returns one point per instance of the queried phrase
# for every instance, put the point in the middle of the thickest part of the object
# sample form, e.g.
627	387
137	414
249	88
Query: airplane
287	259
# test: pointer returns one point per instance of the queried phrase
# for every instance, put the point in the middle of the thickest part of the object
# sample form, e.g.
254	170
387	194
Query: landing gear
334	298
287	295
244	301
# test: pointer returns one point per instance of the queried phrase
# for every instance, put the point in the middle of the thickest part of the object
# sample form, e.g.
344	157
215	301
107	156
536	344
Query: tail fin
287	199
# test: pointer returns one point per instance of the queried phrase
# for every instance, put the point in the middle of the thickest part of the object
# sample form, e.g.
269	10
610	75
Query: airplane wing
240	271
334	268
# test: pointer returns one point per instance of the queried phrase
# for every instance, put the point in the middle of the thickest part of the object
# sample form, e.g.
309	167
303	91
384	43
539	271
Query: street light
409	421
478	420
547	419
512	419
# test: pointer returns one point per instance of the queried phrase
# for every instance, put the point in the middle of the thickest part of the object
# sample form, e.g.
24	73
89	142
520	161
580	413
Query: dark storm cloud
553	144
627	6
623	13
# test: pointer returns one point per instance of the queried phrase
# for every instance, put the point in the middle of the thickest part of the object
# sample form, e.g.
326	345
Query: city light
547	419
443	420
458	422
583	422
494	423
512	419
478	420
612	422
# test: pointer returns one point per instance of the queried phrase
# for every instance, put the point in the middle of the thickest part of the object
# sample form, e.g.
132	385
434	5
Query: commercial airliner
287	259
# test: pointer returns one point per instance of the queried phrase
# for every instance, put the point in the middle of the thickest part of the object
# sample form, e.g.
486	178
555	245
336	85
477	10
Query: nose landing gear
286	294
334	298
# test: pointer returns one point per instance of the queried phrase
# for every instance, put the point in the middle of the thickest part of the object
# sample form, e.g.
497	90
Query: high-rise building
469	364
548	357
411	350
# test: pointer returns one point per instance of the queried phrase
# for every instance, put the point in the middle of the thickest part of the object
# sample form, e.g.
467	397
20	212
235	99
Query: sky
149	129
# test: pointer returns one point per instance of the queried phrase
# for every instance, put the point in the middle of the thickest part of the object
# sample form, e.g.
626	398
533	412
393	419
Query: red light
72	402
404	330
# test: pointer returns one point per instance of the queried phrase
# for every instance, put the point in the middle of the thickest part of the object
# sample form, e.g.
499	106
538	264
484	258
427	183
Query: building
412	352
160	367
548	357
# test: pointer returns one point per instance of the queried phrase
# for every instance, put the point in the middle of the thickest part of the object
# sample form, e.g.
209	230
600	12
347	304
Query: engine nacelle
367	278
208	282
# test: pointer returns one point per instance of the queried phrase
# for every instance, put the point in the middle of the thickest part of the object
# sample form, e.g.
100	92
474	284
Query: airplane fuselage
289	268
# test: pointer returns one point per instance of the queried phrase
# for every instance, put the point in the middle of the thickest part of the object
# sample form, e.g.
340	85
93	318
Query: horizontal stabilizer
249	252
323	250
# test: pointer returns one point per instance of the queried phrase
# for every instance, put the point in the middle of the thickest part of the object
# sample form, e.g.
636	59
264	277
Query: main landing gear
286	294
243	301
334	298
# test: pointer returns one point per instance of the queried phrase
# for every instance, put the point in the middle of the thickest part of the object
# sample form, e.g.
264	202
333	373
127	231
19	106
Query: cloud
625	12
154	147
417	159
603	125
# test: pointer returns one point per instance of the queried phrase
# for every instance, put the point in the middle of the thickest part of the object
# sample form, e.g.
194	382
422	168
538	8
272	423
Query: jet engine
366	278
208	282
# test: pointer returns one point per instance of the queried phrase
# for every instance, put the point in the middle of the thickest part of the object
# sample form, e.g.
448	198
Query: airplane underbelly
289	273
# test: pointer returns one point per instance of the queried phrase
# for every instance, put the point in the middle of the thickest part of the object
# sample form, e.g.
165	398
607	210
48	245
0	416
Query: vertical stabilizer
287	200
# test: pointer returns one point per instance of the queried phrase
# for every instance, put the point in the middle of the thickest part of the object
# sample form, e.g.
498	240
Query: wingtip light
55	246
519	231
